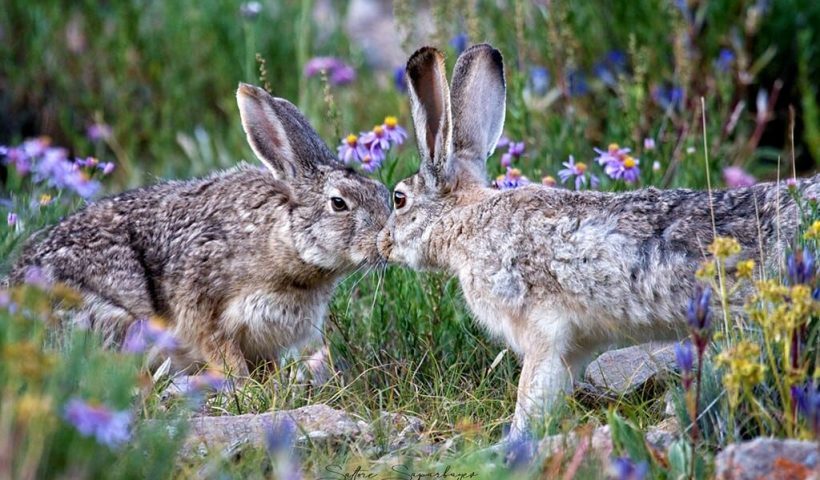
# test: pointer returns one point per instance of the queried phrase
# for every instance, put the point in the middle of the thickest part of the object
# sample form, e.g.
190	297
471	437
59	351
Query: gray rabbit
556	274
241	265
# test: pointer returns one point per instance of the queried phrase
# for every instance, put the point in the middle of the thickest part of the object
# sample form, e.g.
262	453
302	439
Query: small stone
600	443
632	369
662	435
768	458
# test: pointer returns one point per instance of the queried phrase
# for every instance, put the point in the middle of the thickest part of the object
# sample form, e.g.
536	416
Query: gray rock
662	435
769	458
632	369
232	432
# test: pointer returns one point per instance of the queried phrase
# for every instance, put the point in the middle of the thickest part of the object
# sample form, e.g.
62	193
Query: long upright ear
430	101
478	99
279	135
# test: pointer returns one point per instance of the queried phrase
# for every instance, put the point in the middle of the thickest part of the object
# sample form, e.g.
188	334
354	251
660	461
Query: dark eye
399	200
338	204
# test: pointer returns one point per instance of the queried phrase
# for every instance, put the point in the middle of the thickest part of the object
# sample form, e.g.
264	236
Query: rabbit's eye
399	199
338	204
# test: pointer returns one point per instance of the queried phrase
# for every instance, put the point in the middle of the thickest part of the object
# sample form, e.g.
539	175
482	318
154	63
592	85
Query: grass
163	76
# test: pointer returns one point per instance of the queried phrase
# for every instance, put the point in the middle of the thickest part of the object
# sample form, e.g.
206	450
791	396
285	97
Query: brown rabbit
557	274
242	264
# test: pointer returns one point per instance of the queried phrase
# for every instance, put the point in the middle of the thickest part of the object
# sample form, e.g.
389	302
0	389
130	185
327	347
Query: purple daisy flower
351	150
395	133
736	177
613	152
579	172
506	160
626	169
339	73
107	167
145	334
98	132
342	75
109	427
11	219
512	179
376	141
17	156
503	141
516	149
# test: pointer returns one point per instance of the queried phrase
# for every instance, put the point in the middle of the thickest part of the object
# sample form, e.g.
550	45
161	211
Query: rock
769	458
232	432
662	435
400	429
632	369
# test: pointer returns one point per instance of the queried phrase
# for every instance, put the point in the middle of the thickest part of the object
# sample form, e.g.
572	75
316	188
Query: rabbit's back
609	262
140	250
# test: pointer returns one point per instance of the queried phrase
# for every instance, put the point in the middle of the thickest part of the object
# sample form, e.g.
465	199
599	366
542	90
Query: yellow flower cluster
743	368
780	309
745	269
813	232
724	247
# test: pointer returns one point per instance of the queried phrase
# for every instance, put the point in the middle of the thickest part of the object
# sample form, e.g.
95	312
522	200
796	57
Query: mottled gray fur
241	264
558	274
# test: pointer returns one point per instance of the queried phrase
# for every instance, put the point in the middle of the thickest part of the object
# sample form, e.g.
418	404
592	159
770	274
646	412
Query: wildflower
145	334
625	169
280	436
791	184
250	10
668	97
395	133
743	368
339	73
577	83
36	276
686	362
699	314
516	149
351	150
17	157
736	177
745	268
724	60
376	142
690	150
800	266
577	170
807	400
211	379
612	153
610	66
107	167
399	79
45	199
649	143
539	80
512	179
625	469
459	43
656	166
724	247
31	407
109	427
98	132
519	452
813	232
371	163
11	219
6	303
548	180
503	141
506	160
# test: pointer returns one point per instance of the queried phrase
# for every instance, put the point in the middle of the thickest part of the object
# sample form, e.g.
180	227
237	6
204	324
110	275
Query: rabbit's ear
478	99
430	101
279	135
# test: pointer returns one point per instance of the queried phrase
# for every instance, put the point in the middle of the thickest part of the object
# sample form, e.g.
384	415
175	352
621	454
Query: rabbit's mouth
384	244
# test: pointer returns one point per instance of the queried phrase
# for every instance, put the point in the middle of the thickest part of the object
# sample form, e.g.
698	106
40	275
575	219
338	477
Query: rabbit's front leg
544	377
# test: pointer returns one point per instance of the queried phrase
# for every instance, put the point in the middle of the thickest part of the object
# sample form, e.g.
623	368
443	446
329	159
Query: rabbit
240	265
556	274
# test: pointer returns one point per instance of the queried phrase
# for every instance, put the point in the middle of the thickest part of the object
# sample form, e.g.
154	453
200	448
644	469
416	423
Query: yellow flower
746	268
813	232
724	247
707	271
45	199
743	368
32	407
